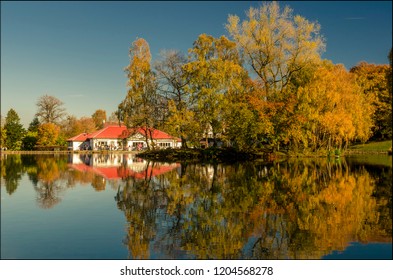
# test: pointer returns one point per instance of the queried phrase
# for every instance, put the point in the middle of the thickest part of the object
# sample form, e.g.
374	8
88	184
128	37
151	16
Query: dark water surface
118	207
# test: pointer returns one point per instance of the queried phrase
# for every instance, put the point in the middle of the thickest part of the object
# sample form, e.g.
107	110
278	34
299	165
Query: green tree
33	126
29	141
12	170
14	130
215	77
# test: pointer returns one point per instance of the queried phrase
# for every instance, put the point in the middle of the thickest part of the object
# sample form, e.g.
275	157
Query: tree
14	130
172	85
114	117
99	118
3	134
50	109
276	44
47	134
71	126
139	108
215	75
88	125
33	126
330	109
374	82
389	79
29	141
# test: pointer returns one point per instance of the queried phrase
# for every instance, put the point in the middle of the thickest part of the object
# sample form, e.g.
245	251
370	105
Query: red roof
109	132
121	132
156	134
79	138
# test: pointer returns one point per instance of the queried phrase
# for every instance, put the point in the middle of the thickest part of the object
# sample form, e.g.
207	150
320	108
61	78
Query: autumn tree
389	79
373	80
276	44
139	108
48	134
50	109
99	117
72	126
330	110
14	131
88	125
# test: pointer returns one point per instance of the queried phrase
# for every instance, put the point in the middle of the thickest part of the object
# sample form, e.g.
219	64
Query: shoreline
66	152
210	154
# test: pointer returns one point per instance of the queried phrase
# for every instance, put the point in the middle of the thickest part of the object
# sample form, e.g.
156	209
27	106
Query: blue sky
76	51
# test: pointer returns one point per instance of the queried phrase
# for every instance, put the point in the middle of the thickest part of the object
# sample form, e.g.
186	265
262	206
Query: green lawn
373	146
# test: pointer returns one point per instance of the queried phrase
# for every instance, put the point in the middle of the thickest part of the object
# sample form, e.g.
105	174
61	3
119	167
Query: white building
115	137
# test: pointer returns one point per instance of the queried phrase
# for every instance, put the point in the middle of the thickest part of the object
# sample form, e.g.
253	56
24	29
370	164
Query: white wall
75	145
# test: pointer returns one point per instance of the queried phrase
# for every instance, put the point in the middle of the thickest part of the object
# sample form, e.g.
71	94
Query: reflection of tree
383	195
11	172
30	166
98	183
297	210
139	203
50	169
294	209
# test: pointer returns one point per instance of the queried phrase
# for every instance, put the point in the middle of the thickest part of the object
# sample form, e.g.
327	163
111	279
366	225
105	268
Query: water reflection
296	210
103	168
284	210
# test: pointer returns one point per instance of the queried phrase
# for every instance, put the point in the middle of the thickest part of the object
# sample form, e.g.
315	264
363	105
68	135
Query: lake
117	206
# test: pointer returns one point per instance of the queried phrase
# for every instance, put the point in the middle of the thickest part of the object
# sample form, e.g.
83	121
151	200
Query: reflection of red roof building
121	172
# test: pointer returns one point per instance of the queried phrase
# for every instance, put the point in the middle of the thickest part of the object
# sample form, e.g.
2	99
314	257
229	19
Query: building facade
115	137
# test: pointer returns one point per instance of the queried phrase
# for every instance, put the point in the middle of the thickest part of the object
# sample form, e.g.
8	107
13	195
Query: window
164	145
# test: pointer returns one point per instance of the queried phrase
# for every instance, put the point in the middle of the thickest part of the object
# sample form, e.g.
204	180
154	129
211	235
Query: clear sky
76	51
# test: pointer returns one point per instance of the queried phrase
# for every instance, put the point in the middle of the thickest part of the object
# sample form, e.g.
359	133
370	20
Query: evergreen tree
14	131
33	126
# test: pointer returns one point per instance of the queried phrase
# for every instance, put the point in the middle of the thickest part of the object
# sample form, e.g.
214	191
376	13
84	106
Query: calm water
120	207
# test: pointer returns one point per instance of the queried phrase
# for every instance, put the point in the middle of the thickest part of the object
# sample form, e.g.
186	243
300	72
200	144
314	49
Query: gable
136	136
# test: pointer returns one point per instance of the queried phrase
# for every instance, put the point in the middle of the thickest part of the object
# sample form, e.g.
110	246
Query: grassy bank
381	147
224	154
